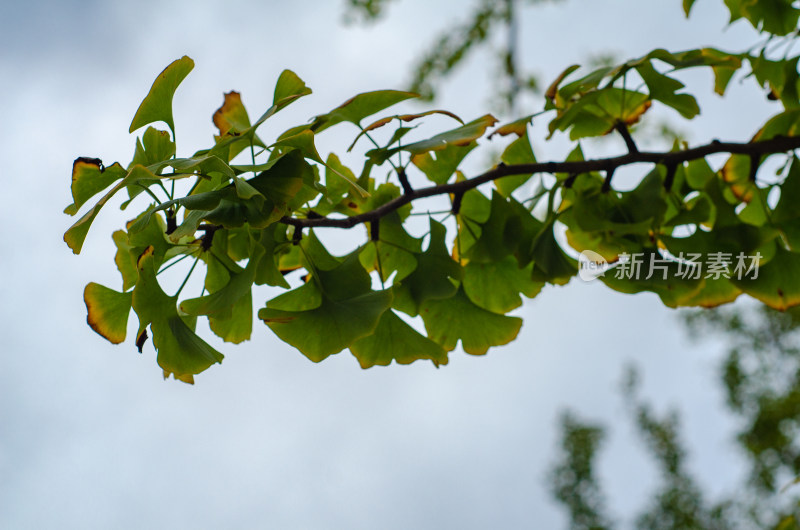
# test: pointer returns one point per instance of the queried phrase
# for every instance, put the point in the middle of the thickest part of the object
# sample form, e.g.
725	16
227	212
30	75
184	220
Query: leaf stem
185	280
173	263
149	192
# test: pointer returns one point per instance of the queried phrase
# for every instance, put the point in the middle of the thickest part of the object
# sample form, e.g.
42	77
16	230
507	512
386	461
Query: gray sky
90	435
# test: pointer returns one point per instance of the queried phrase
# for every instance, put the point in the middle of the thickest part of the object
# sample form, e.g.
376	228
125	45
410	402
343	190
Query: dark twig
375	230
778	144
401	175
668	180
607	182
622	129
755	161
457	198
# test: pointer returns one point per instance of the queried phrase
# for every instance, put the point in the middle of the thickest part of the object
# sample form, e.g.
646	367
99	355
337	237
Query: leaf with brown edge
402	117
460	136
715	292
359	107
518	127
75	236
89	178
108	311
231	117
736	173
552	90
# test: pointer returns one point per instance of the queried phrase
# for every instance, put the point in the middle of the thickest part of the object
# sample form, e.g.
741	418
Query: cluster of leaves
254	230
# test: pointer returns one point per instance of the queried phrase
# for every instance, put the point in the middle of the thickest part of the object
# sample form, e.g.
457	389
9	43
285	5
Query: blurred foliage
761	377
488	22
366	10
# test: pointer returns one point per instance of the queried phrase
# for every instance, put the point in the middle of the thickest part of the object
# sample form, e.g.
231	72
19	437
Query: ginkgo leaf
157	105
155	146
476	328
348	310
519	151
436	275
496	286
440	165
125	259
400	117
786	217
288	88
551	264
180	351
777	283
501	234
89	178
108	311
359	107
238	326
714	292
75	236
461	136
231	117
219	303
394	340
394	251
664	88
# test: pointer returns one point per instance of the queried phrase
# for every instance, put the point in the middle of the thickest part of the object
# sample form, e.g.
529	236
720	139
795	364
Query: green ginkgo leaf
180	351
650	272
440	165
394	340
220	302
519	151
460	136
502	232
436	275
157	105
394	252
496	286
551	264
359	107
664	88
155	146
238	326
476	328
775	283
348	310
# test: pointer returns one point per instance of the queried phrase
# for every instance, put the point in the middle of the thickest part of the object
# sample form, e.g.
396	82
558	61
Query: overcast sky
92	437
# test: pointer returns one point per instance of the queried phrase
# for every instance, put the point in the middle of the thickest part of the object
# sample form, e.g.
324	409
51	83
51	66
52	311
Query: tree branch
622	129
774	145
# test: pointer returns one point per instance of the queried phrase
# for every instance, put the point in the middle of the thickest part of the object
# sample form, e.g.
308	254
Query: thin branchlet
777	144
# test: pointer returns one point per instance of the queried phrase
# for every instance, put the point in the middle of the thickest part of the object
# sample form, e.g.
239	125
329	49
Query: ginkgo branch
774	145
